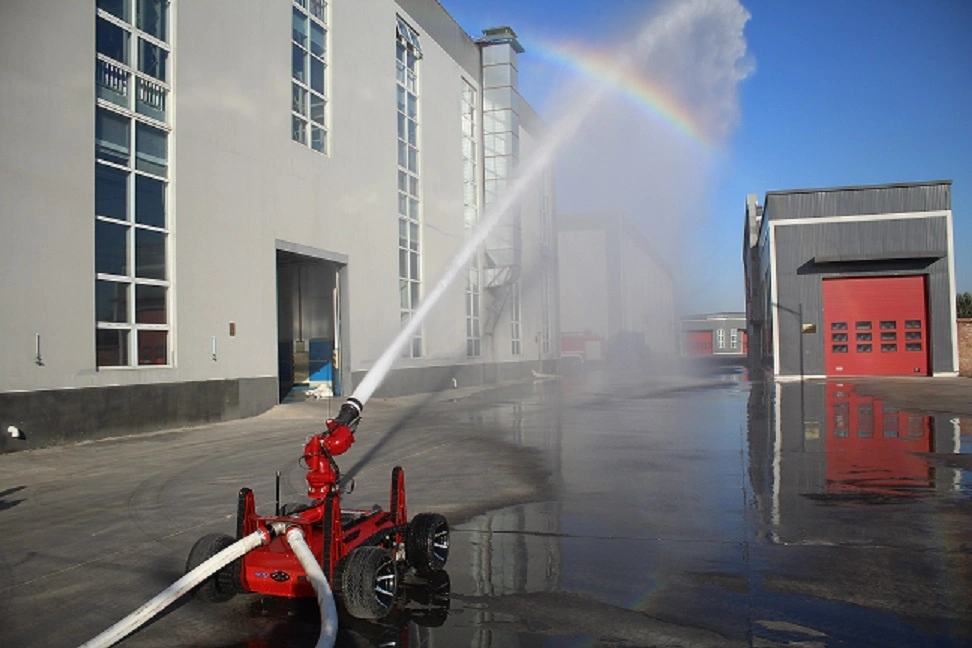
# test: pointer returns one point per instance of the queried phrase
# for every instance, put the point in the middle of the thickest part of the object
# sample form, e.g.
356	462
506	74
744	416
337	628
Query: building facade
852	281
196	220
617	294
720	335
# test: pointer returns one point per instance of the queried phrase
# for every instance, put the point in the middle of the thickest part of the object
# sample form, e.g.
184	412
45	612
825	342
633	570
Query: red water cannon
322	472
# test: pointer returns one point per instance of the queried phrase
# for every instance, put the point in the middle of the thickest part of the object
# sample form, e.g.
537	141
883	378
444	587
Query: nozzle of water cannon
349	414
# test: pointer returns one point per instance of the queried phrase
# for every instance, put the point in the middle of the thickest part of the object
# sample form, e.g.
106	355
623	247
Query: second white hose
325	598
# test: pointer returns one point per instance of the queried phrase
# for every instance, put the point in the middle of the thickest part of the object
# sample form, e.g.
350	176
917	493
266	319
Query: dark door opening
308	325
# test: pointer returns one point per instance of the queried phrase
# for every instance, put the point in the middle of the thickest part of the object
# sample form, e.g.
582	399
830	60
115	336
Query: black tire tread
419	542
221	586
358	581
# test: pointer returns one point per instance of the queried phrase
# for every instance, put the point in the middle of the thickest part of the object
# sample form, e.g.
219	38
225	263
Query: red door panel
875	326
698	343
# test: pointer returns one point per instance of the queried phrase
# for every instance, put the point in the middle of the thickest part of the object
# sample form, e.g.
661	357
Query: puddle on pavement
831	442
781	514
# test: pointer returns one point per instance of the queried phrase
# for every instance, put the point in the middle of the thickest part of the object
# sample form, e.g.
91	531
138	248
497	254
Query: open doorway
309	326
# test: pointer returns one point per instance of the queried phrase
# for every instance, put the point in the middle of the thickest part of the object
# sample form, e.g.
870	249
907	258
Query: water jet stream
679	14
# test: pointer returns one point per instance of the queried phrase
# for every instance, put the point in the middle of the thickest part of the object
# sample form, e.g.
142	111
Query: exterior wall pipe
325	598
166	597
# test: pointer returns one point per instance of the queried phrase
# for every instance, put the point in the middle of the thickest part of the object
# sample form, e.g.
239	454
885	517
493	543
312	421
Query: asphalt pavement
584	513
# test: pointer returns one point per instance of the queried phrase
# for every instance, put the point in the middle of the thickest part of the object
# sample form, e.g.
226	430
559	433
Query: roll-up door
698	343
875	326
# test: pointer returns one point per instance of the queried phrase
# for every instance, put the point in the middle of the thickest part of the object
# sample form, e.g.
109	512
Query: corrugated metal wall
799	279
853	201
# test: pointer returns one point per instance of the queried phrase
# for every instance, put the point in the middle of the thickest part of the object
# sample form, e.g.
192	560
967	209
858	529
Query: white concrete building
205	203
617	294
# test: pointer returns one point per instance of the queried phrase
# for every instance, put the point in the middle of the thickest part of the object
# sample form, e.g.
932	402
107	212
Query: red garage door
875	326
698	343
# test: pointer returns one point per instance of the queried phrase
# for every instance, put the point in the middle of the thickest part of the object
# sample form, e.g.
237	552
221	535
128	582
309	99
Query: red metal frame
330	532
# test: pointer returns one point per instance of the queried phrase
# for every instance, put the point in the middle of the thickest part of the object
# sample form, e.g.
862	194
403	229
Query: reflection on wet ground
801	514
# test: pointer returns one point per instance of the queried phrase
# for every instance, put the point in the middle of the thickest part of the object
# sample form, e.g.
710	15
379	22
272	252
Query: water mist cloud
646	150
583	115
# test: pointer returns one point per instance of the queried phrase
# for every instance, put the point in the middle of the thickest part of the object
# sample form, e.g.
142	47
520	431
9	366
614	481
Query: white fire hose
210	566
325	598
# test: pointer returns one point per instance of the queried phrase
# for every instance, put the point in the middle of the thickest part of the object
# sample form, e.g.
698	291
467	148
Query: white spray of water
679	15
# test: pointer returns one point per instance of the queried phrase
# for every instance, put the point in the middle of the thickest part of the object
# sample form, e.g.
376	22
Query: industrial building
721	335
617	294
195	220
852	281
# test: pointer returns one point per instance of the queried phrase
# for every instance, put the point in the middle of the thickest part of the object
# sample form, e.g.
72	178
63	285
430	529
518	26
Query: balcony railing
151	99
113	82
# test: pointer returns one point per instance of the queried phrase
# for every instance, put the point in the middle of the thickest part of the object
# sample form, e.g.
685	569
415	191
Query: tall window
408	53
545	236
308	66
473	322
545	305
733	338
516	346
470	215
133	90
721	338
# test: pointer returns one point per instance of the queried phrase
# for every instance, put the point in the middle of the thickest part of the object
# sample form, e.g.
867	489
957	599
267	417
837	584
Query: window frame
305	98
469	101
516	325
409	185
132	106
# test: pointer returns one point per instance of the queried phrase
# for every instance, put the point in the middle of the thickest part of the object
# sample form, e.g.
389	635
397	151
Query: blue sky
841	92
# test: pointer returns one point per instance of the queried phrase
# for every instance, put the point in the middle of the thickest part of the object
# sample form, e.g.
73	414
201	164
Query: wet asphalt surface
585	511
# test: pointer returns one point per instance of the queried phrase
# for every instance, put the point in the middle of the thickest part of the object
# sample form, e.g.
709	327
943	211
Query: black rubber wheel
369	582
224	584
427	542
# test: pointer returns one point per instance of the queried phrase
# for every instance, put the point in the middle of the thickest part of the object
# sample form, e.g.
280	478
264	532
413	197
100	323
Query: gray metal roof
895	198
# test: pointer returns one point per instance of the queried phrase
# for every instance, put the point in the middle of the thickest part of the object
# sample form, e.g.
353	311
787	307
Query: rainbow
647	94
640	603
